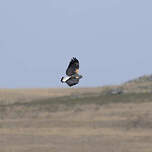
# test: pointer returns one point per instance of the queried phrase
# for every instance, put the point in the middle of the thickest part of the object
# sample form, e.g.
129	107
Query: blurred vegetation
98	99
72	102
135	91
138	85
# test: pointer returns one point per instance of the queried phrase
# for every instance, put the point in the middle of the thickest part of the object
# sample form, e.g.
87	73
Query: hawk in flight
72	77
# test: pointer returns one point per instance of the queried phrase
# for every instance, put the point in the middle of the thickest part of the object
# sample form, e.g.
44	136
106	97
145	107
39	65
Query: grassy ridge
74	101
91	99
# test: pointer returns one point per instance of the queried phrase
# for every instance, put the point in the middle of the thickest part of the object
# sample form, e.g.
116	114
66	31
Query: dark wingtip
74	59
62	79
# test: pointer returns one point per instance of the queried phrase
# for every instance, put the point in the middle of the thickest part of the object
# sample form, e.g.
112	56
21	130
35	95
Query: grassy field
76	120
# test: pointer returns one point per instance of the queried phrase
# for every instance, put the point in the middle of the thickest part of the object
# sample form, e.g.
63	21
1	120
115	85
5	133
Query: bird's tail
62	79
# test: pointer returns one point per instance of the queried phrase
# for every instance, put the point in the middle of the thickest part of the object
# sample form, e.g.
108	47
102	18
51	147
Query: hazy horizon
112	40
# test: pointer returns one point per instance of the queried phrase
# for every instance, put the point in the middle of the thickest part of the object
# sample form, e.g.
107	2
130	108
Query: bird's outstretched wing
73	67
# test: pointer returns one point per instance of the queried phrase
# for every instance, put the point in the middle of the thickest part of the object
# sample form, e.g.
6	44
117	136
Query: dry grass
10	96
75	120
112	127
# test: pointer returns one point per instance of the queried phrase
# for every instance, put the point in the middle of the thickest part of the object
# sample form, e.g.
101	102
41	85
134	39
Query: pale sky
111	38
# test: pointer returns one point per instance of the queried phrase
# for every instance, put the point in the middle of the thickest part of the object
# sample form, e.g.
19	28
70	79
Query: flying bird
72	77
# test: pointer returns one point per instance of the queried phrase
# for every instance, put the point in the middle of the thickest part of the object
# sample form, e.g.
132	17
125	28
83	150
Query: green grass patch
35	107
99	99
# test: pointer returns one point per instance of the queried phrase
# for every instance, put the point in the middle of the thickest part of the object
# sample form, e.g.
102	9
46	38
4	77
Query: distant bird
72	77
